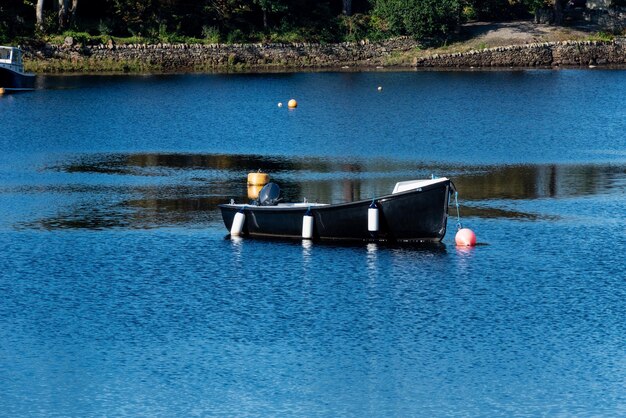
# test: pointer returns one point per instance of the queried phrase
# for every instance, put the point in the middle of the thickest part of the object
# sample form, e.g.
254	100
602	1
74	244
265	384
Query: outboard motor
269	195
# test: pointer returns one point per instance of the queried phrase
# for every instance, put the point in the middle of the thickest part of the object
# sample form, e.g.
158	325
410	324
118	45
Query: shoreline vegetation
150	36
493	50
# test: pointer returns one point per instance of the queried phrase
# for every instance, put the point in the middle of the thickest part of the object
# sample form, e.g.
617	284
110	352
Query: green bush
355	27
211	34
602	36
78	37
104	27
4	33
418	18
285	36
533	5
468	13
50	23
236	36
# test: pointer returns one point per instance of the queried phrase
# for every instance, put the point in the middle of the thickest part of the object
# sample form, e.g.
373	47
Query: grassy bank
474	37
479	36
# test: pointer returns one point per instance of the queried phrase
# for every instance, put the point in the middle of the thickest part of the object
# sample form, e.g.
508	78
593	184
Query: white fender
237	226
372	218
307	225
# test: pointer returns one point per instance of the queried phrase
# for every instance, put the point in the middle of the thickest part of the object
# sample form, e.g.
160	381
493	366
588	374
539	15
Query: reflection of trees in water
541	181
195	200
351	188
135	214
127	163
328	191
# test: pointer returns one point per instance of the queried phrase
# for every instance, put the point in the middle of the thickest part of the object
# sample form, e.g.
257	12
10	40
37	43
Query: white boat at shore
12	75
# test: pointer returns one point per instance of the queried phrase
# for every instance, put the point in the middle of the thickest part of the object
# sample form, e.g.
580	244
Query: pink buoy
465	238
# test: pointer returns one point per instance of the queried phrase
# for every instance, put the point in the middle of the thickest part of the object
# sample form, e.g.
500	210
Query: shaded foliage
253	20
16	19
419	18
503	9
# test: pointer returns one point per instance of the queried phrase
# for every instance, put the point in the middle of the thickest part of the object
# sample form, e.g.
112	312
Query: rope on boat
465	237
458	214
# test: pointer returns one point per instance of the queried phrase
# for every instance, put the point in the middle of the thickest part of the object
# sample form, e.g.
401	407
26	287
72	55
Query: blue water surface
120	294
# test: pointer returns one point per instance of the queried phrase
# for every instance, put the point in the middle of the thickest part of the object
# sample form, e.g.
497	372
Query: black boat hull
14	81
413	216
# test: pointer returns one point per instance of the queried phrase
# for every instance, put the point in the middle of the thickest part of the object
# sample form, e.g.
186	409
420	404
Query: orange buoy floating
292	104
1	91
465	237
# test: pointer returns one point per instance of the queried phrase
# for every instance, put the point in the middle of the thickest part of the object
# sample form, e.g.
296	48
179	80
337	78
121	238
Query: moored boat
12	75
415	212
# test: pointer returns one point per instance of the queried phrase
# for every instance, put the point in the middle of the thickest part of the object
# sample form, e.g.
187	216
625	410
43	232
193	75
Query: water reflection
464	259
307	248
144	213
338	180
156	190
237	248
539	181
372	260
491	212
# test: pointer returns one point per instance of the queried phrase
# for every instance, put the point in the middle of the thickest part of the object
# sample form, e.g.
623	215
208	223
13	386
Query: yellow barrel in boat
253	192
258	179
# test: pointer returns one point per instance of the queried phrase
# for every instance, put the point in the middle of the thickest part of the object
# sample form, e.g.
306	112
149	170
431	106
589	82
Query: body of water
120	293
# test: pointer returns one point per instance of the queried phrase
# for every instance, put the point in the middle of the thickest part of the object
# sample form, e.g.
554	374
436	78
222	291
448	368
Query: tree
138	16
418	18
39	14
63	6
558	12
73	11
226	15
270	6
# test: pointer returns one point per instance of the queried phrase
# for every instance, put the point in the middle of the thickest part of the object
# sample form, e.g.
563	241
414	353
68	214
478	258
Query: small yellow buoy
1	91
280	104
292	104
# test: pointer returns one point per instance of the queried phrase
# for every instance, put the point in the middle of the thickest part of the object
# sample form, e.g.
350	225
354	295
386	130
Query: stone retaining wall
172	57
568	53
194	56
